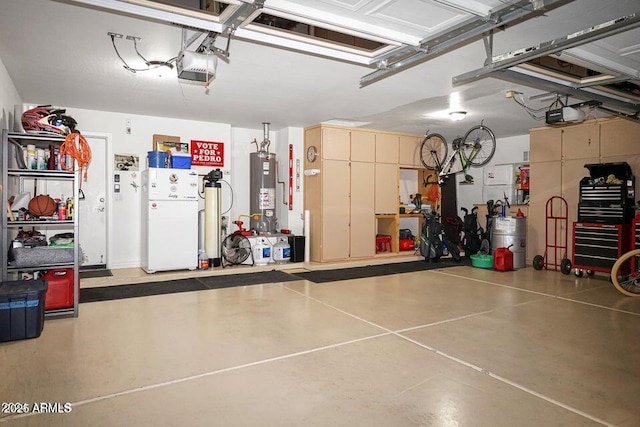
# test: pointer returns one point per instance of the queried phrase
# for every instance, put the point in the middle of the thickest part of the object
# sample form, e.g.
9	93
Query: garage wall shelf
14	180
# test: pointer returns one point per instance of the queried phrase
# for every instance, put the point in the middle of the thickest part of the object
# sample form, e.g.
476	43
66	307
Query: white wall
124	241
291	217
242	147
9	97
124	208
508	150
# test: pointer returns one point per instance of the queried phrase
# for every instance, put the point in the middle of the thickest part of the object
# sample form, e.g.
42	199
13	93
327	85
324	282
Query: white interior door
92	209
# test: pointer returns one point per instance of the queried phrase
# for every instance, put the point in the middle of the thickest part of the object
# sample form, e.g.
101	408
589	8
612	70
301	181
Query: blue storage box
22	309
180	162
157	159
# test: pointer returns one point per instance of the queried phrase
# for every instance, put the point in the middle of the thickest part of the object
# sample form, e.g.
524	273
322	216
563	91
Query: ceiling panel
413	13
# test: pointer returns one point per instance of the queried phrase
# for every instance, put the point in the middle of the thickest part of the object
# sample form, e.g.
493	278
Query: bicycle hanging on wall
476	148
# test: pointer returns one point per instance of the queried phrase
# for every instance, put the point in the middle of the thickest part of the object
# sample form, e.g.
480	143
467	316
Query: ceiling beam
586	94
240	15
501	62
404	57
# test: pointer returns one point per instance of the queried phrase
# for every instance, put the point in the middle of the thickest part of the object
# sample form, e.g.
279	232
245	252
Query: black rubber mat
135	290
323	276
107	293
87	274
274	276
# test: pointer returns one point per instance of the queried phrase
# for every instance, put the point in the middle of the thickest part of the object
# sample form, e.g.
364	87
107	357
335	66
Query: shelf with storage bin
14	181
388	224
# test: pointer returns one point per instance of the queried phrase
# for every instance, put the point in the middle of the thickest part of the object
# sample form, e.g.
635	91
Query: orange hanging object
76	146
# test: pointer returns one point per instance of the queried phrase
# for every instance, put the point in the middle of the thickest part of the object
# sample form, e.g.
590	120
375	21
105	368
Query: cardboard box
171	144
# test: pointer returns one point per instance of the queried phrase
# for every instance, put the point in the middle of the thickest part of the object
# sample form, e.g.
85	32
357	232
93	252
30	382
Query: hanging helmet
46	119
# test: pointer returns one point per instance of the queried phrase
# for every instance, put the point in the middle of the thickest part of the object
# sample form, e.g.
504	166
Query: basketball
42	205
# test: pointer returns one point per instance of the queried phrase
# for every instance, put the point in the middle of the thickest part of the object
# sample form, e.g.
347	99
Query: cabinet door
363	146
572	172
363	225
545	183
386	189
335	210
545	145
409	151
581	141
387	148
619	138
336	144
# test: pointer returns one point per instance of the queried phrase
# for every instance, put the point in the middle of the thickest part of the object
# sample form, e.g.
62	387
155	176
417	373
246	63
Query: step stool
383	243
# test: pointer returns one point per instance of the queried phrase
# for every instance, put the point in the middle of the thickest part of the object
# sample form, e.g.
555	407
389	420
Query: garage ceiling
59	52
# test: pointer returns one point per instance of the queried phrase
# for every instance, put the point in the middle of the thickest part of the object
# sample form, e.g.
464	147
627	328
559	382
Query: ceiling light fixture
457	115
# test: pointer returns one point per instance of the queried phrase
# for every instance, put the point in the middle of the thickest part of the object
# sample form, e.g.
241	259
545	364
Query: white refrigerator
169	219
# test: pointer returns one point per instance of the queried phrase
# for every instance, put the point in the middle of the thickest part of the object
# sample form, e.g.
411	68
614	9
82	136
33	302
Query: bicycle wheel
625	274
433	151
479	144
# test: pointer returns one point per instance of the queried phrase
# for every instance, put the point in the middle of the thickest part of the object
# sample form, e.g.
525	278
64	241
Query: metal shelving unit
13	177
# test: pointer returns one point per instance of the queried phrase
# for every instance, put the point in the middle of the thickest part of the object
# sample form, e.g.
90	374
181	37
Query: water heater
262	188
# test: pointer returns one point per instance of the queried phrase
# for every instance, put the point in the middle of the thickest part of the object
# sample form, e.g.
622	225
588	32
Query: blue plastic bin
157	159
22	309
180	162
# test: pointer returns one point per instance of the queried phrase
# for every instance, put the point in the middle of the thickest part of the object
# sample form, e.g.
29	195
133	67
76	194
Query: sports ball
42	205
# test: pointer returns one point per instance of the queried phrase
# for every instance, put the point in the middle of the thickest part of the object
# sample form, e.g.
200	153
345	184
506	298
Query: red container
503	259
60	288
406	244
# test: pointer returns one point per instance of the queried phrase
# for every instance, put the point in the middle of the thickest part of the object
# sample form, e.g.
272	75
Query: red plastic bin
60	288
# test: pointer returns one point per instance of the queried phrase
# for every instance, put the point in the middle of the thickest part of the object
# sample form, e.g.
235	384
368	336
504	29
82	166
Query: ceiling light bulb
457	115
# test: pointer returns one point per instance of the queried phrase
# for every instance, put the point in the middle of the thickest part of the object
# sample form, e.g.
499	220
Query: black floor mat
87	274
107	293
322	276
275	276
135	290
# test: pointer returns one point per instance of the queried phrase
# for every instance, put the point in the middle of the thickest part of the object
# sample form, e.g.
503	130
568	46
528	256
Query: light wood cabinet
546	182
387	146
619	138
335	176
386	188
558	156
355	192
409	151
363	146
336	144
363	223
581	141
545	145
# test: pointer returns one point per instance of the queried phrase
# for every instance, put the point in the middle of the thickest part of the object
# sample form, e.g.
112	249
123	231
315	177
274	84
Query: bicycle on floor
476	148
625	273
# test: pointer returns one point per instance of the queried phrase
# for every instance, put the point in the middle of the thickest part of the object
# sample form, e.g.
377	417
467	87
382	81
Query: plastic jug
503	259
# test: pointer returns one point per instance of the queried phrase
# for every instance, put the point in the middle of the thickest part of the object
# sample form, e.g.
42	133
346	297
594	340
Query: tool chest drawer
597	246
607	194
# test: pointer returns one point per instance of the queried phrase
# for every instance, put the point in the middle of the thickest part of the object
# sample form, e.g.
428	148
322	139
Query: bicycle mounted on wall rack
476	148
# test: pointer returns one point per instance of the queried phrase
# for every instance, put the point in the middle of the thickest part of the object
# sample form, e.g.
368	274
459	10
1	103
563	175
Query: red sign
207	153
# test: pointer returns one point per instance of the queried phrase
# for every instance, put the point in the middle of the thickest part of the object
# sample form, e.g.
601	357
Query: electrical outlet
128	126
134	38
114	35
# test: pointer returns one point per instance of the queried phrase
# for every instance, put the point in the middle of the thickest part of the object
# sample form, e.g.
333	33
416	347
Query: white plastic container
261	251
282	251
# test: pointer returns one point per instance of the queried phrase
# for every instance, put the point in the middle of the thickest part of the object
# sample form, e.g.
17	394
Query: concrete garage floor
457	346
